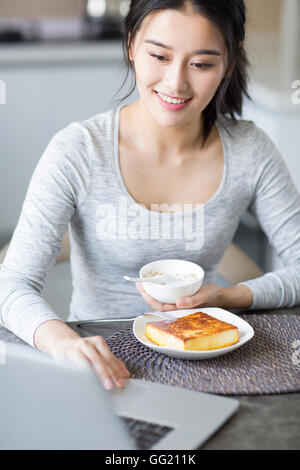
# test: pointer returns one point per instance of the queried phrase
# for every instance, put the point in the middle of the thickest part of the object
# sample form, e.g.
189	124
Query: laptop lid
42	405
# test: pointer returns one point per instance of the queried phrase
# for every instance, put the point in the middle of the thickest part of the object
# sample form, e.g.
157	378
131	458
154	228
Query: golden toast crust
191	326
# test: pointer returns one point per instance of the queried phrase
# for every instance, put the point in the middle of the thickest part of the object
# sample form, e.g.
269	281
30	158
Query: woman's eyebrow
199	51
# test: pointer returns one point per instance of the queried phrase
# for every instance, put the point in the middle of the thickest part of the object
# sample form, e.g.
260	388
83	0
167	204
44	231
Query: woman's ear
129	47
130	55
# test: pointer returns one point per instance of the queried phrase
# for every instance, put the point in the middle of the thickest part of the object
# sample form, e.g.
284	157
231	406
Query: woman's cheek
146	74
209	87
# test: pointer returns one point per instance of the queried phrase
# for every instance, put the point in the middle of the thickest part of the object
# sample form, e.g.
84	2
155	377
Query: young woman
177	157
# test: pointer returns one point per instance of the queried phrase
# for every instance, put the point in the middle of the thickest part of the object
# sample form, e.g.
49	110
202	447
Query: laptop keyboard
144	433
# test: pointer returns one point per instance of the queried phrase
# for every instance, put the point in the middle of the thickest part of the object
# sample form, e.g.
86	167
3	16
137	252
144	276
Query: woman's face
183	69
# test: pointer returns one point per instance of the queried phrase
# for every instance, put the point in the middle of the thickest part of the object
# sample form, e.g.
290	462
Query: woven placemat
268	364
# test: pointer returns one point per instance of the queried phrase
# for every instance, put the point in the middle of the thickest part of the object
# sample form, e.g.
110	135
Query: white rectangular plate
245	331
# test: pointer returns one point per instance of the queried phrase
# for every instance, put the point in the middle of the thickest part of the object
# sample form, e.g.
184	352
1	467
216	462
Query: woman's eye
159	57
198	66
203	66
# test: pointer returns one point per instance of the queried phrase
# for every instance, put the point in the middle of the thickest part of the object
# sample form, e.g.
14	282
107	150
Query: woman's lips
172	97
172	106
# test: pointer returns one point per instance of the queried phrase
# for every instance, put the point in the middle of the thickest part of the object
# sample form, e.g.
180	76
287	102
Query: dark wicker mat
268	364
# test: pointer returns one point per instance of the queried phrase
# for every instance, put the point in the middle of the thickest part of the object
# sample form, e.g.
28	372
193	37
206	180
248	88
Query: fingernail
108	384
120	383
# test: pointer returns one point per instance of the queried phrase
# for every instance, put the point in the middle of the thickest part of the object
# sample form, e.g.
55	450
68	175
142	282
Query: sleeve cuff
267	292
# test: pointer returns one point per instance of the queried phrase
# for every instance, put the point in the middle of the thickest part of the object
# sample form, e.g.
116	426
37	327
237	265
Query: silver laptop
49	405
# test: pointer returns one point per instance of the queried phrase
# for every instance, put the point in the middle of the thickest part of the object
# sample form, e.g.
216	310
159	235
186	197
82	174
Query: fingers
73	355
187	302
190	302
78	358
108	368
99	364
155	304
116	367
207	296
93	351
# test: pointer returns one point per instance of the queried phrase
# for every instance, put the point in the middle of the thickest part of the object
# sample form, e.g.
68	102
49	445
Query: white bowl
170	293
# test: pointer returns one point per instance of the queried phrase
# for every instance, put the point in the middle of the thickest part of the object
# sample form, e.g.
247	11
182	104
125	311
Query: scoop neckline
123	187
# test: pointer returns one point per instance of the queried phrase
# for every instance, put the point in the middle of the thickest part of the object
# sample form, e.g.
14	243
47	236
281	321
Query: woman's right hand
93	350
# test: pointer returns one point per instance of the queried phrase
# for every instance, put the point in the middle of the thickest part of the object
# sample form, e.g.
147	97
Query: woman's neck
165	142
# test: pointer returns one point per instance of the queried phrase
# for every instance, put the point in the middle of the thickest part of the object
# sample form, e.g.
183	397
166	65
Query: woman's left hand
209	295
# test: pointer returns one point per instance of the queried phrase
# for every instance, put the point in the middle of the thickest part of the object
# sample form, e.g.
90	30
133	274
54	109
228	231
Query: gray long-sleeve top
77	186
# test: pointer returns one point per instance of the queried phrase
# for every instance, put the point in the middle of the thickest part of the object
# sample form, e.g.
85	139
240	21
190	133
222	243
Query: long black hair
230	18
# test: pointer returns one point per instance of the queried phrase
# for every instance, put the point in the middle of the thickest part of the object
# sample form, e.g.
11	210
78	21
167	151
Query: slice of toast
195	332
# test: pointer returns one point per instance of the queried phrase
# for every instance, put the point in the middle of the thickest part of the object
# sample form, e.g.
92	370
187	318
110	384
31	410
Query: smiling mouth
173	98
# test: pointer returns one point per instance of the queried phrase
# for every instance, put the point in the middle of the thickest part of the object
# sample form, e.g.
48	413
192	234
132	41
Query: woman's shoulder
101	124
96	126
82	139
246	134
238	128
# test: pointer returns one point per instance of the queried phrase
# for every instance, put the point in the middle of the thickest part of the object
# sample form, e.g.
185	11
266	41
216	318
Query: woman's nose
176	78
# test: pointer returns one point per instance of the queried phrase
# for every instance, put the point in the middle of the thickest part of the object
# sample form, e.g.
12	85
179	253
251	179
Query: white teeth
170	100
